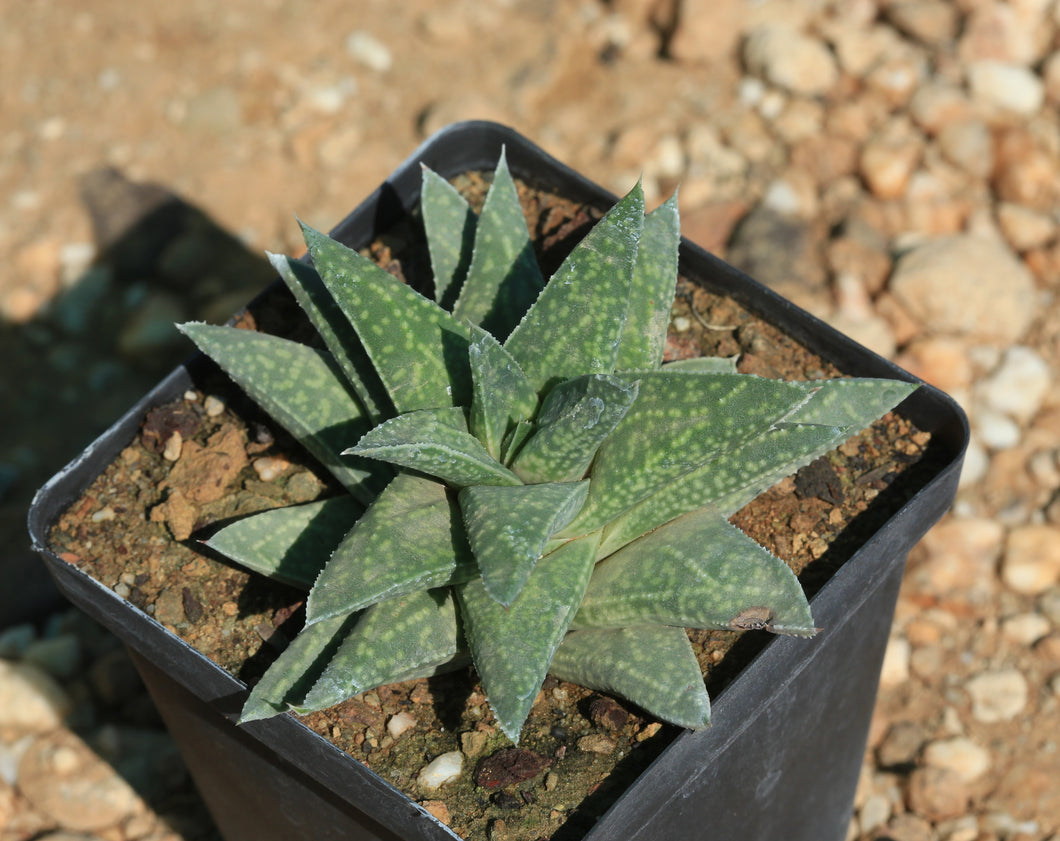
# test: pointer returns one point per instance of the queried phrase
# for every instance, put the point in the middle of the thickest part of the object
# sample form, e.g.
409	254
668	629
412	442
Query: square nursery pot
782	757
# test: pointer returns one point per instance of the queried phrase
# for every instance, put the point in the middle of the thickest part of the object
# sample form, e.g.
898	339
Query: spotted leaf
416	635
503	280
575	325
435	442
418	349
502	394
293	673
574	420
450	225
512	647
680	421
291	544
509	527
653	666
336	331
303	390
652	291
412	538
698	571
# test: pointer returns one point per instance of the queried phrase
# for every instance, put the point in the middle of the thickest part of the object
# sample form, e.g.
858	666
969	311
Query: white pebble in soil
441	770
997	695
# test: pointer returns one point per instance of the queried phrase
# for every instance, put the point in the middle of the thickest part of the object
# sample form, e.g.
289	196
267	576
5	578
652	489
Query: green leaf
430	442
652	292
652	666
680	421
509	527
416	635
418	349
412	538
574	420
292	544
727	482
514	440
337	332
853	403
504	279
512	647
575	325
303	390
698	571
450	225
741	472
703	365
287	680
502	393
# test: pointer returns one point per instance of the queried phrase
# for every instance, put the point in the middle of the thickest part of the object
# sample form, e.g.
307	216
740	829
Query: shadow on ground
100	344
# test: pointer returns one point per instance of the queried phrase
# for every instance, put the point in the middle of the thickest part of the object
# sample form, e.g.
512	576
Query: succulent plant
530	488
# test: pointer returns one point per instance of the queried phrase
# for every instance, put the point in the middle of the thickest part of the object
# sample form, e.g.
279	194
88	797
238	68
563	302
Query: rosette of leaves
530	488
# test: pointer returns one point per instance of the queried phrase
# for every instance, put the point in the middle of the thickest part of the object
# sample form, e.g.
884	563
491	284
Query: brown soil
130	531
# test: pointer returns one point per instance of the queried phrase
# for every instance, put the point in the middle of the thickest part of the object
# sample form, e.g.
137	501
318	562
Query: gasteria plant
531	489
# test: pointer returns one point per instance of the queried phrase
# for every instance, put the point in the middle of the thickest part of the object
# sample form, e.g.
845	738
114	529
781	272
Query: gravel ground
894	167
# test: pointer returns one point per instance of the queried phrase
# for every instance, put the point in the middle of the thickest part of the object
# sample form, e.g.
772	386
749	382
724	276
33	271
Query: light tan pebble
800	119
709	30
895	669
596	743
441	770
790	59
937	104
1031	563
438	809
964	828
1025	629
874	332
901	745
968	144
976	464
962	555
874	812
908	827
966	758
904	326
1025	228
897	76
367	49
1006	86
966	284
1003	32
1025	169
858	48
399	723
997	695
887	163
940	360
994	429
30	700
63	778
932	22
270	467
174	446
213	406
937	794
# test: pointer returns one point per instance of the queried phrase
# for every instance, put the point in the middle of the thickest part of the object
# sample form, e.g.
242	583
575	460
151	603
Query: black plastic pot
783	755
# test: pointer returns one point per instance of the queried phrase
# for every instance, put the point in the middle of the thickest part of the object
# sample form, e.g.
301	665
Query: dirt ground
893	166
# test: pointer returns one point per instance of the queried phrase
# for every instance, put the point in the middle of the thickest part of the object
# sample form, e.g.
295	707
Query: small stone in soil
508	766
441	770
608	713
